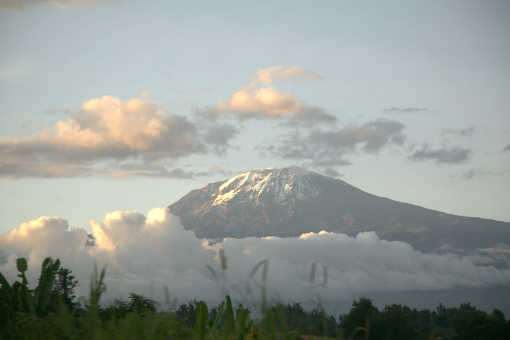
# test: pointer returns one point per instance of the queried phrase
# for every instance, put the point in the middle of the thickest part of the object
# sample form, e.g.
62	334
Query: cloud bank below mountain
154	250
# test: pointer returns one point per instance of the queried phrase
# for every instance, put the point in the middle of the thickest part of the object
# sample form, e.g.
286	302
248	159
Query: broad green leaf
22	264
230	322
202	321
43	290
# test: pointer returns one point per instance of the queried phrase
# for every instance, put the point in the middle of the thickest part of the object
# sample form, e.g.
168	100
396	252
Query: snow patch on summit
280	184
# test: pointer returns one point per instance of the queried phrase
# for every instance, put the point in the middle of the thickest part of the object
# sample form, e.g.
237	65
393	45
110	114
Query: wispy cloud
66	110
455	155
479	174
20	5
475	173
467	132
407	110
326	148
193	90
213	171
506	148
310	116
272	74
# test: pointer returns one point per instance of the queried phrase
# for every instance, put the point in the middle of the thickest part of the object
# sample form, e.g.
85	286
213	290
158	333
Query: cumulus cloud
140	250
406	110
19	5
259	100
455	155
266	102
326	148
218	136
109	130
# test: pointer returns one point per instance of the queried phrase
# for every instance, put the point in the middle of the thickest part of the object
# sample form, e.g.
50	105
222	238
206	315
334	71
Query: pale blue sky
439	68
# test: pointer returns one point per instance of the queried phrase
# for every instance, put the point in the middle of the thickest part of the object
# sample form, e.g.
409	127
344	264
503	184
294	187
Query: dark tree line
397	321
394	321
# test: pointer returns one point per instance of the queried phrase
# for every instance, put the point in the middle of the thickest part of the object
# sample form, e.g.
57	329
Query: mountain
288	202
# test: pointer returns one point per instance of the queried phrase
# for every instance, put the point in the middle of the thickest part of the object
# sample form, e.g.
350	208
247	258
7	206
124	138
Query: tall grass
23	314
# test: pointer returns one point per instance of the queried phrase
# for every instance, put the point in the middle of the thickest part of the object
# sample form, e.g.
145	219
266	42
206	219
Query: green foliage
21	305
63	286
395	322
445	319
22	266
296	317
9	302
201	321
483	328
43	290
360	311
120	309
229	324
186	313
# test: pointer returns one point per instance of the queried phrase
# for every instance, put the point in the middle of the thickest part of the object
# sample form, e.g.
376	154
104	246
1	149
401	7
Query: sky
124	105
107	107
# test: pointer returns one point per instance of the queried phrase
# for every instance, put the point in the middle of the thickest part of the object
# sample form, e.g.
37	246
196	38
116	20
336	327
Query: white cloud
259	100
134	124
110	130
140	250
267	102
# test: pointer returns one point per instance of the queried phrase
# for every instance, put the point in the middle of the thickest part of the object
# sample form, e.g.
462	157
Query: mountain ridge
288	202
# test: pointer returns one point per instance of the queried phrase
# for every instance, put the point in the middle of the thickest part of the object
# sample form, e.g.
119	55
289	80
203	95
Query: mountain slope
288	202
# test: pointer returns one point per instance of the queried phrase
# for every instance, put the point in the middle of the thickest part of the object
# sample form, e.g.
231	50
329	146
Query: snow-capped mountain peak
280	183
288	202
